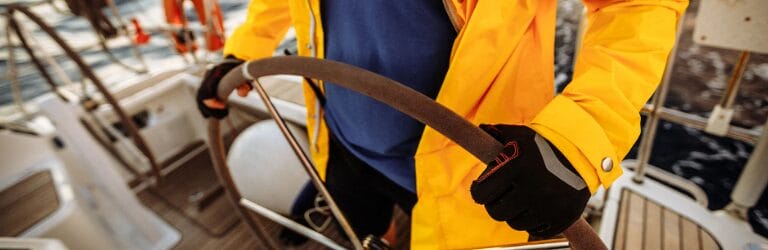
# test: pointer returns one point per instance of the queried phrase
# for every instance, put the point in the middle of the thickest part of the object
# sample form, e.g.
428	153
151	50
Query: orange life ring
182	37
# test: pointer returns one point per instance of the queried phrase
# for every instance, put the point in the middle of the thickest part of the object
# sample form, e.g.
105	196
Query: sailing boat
129	166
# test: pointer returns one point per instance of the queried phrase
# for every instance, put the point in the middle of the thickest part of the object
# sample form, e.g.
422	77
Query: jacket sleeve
264	28
596	120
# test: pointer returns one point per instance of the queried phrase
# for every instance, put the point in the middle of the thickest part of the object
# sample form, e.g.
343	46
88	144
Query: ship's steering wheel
476	141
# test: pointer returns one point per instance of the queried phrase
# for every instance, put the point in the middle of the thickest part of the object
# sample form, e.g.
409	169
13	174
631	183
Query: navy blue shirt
409	41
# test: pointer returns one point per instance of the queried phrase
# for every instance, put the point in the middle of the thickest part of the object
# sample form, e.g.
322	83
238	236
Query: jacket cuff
581	139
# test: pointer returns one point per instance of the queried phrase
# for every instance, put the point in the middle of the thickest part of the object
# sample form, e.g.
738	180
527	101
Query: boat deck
27	202
644	224
217	225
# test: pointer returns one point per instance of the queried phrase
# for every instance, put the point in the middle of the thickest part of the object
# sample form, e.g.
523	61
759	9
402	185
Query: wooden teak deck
27	202
644	224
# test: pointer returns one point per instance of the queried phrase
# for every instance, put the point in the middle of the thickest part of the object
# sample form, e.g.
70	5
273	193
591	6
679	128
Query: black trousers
365	196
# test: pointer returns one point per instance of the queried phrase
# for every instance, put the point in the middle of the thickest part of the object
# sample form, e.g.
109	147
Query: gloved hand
207	102
530	185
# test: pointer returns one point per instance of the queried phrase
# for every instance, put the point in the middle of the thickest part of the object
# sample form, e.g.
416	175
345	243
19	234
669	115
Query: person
492	63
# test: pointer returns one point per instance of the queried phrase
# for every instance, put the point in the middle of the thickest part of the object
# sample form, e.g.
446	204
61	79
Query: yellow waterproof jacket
502	71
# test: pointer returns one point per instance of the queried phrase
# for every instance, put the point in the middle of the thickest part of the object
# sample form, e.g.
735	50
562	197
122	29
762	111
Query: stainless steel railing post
719	120
753	179
733	84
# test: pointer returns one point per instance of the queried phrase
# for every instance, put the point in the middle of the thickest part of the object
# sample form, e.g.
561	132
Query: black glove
530	185
209	85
